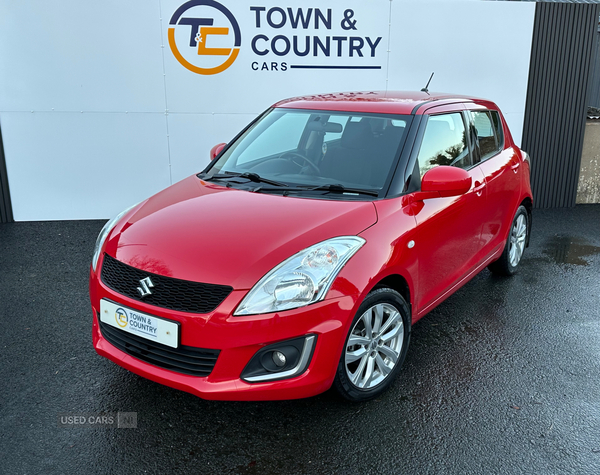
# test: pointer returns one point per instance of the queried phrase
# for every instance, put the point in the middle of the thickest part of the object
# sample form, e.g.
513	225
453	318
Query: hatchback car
304	252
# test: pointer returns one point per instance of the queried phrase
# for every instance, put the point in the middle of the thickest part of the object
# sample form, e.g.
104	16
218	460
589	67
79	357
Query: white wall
97	113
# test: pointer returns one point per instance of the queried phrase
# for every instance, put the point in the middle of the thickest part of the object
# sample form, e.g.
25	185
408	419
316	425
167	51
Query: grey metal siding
594	99
6	215
562	51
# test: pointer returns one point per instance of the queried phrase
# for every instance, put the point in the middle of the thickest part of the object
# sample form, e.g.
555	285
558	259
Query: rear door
500	166
448	240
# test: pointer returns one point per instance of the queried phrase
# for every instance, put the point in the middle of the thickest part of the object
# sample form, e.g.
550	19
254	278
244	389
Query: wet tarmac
501	378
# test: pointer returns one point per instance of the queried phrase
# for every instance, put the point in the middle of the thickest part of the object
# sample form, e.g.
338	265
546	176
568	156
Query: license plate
141	324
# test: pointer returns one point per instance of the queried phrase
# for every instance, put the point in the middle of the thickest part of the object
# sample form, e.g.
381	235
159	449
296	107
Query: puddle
570	250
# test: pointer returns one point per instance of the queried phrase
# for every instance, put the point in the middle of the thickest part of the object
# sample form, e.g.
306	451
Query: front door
448	240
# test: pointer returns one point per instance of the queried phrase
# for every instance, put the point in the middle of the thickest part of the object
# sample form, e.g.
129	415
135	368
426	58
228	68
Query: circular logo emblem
204	36
121	317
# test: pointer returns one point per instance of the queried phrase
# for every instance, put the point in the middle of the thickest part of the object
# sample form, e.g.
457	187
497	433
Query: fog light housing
279	359
283	360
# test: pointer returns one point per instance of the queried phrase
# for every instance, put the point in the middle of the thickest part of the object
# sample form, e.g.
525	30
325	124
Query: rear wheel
515	245
375	347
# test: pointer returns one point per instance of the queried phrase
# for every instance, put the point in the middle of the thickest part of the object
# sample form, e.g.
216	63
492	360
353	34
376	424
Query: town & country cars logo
203	19
205	38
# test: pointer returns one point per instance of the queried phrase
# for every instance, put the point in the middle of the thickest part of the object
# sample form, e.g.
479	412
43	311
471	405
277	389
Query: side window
281	136
498	128
485	134
444	143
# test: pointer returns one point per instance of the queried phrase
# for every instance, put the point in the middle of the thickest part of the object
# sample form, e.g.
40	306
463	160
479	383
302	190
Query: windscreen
315	148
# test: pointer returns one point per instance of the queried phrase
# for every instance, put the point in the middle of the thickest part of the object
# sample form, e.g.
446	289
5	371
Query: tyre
515	245
375	347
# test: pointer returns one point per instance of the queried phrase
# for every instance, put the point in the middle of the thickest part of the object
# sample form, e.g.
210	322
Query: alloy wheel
374	346
518	234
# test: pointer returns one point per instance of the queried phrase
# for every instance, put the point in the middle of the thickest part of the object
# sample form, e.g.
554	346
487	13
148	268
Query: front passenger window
444	143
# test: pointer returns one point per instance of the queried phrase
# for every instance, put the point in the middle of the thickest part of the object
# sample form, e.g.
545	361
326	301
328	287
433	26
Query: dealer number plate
141	324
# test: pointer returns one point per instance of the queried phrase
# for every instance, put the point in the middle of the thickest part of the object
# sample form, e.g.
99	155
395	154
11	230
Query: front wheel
515	245
375	347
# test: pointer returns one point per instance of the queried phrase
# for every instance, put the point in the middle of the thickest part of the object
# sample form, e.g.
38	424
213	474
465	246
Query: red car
305	251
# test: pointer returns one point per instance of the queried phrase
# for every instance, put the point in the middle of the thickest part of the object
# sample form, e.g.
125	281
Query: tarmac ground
502	378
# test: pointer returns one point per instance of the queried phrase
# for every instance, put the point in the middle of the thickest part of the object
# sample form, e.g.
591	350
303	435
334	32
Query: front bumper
238	339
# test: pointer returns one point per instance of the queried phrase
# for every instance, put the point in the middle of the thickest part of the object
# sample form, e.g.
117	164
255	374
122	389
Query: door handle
479	186
514	167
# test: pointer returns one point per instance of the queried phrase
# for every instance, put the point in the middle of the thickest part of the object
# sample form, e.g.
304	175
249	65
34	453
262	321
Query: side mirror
447	181
443	181
216	150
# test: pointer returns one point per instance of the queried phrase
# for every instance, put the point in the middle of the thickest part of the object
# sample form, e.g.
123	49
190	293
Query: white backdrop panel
191	136
81	55
515	122
105	58
475	48
66	165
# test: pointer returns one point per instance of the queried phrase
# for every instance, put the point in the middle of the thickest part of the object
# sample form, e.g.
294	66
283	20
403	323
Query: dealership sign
183	75
205	38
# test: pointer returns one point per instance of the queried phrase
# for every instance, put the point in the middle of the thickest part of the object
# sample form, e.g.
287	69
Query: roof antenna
425	88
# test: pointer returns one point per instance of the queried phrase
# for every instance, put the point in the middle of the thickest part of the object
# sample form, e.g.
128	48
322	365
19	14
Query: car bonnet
205	232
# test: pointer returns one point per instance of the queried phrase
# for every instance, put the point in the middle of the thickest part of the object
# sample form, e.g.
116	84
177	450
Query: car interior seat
349	162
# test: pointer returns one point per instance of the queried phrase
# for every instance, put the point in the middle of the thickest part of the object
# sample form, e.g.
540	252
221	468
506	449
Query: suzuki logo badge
145	283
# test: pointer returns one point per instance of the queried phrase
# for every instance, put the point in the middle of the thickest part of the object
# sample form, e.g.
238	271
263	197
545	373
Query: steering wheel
304	160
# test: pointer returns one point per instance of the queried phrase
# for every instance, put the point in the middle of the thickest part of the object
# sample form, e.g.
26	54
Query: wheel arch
398	283
528	204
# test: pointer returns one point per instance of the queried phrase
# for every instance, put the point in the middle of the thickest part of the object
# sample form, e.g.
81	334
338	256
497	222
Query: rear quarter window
498	128
486	137
489	132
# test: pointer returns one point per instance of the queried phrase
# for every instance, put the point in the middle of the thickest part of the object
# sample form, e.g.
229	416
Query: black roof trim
416	108
446	101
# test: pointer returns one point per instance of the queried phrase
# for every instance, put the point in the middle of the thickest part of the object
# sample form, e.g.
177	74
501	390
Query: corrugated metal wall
594	99
563	46
6	215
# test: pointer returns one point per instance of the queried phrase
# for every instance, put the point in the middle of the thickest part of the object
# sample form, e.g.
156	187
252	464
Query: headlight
302	279
104	234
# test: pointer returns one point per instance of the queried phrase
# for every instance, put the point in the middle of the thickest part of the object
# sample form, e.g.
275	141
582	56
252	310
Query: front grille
185	359
174	294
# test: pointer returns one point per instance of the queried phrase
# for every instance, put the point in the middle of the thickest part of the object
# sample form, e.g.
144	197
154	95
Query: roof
388	102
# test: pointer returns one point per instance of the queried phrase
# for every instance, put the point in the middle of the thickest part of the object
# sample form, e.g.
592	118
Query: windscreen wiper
327	188
336	188
249	176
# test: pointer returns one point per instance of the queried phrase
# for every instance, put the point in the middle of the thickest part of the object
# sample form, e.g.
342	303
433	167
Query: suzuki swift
304	252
